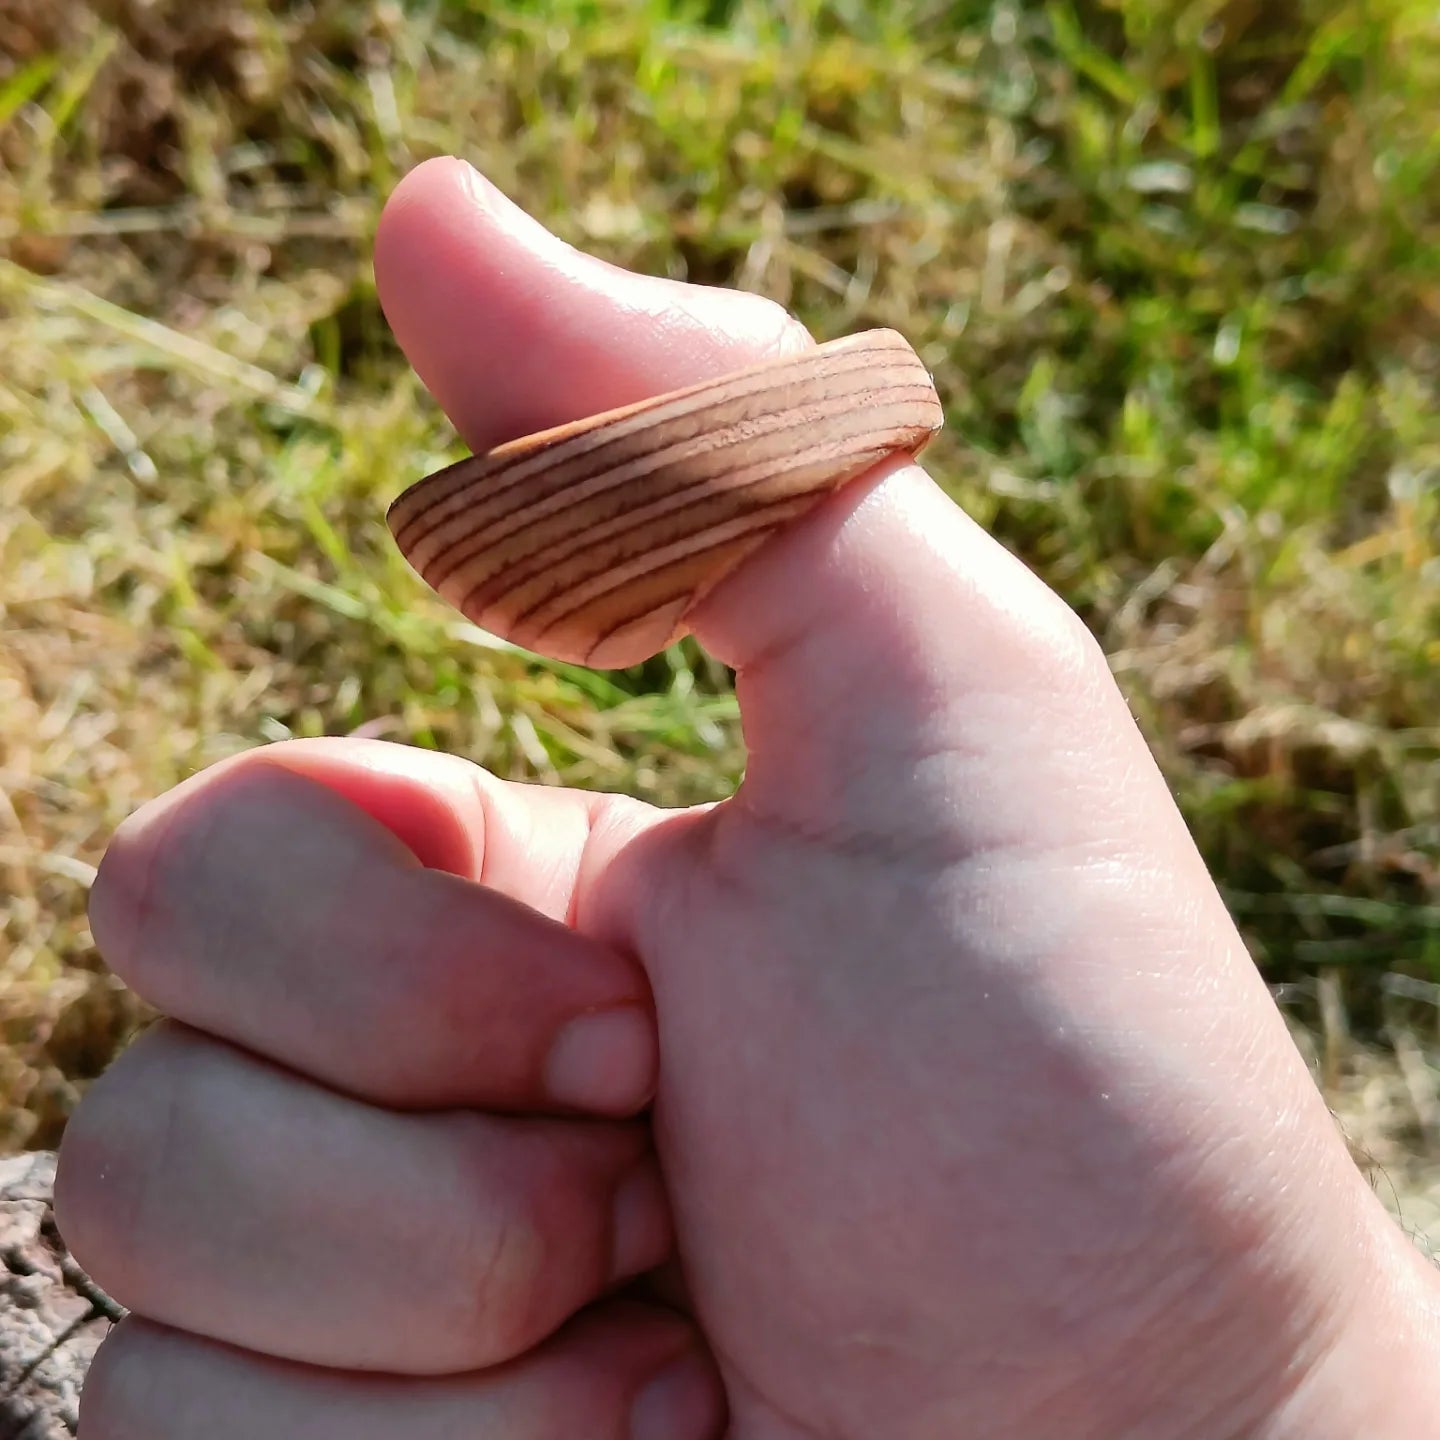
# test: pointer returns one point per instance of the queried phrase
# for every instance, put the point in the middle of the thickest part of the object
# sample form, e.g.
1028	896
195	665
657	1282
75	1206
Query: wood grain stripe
694	418
672	415
591	542
628	495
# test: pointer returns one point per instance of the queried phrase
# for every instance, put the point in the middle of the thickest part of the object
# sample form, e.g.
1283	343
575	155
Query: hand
973	1115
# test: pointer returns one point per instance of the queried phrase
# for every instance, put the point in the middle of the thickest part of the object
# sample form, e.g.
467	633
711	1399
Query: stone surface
52	1319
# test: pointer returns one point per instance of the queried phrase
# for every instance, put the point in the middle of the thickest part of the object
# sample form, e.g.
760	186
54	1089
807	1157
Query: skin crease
973	1115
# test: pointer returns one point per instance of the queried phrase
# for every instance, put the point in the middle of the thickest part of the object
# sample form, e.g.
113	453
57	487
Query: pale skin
933	1055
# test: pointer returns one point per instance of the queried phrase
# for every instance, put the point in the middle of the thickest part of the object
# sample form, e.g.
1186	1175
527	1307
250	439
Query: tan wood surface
593	541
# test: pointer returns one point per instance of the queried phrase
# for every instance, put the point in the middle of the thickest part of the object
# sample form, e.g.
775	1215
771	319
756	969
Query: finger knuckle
121	1387
112	1165
501	1291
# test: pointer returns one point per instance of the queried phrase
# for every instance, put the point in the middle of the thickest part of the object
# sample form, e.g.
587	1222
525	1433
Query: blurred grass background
1175	264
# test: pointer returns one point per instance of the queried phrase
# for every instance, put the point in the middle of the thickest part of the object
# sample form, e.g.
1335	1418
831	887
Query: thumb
856	631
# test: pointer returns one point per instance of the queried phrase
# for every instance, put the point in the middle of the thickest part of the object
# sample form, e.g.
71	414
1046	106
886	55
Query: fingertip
513	330
684	1399
434	217
642	1228
416	187
603	1062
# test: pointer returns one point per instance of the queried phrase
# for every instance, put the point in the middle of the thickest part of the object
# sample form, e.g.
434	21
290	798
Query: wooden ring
592	542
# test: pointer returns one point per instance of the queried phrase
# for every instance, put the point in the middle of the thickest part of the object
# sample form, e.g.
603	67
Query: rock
52	1318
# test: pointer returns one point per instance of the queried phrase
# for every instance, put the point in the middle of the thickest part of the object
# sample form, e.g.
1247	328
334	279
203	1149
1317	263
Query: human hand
973	1114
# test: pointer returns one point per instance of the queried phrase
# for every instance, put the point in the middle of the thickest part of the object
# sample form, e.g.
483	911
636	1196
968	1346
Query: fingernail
481	190
604	1060
486	195
681	1402
640	1233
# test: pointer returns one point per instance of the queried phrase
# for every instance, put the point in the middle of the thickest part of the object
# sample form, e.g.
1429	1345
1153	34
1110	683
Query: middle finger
214	1193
